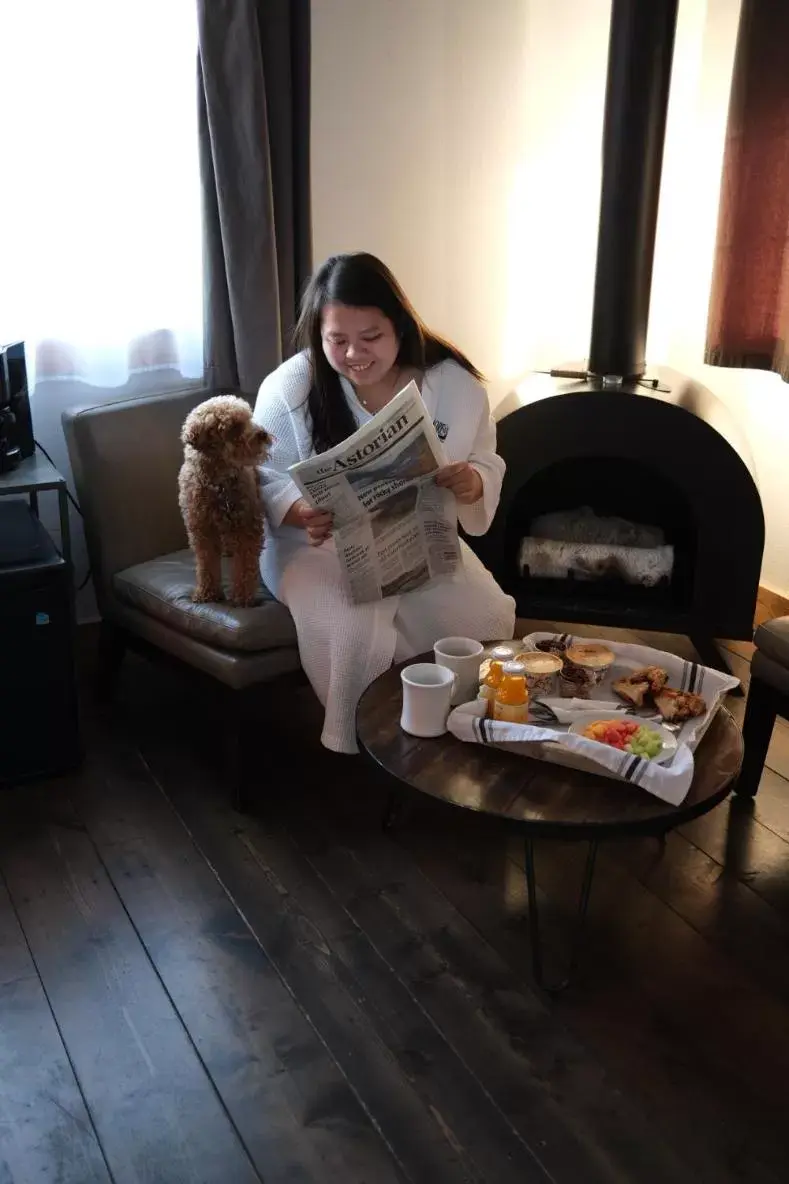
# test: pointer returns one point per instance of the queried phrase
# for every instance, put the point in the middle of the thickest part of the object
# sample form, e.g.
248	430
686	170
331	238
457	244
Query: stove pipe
641	45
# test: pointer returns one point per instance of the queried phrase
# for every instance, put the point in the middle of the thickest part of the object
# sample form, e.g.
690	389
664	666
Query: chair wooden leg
233	753
760	713
240	710
112	649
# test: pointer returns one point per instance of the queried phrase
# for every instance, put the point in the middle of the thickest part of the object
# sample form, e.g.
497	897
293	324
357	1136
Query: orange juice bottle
511	704
490	683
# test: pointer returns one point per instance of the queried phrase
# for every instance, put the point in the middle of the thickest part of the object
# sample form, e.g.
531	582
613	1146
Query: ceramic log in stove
660	450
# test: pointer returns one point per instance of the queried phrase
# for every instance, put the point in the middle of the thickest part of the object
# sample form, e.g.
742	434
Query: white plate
590	717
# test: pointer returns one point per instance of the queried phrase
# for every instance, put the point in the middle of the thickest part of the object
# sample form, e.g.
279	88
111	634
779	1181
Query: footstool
768	696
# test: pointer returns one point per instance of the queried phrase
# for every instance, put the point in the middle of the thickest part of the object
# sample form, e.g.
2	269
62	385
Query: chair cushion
235	668
163	588
772	639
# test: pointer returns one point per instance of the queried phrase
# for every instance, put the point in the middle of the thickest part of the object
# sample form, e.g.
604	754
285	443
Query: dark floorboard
289	1101
189	994
551	1092
615	1018
448	1026
43	1118
142	1080
427	1108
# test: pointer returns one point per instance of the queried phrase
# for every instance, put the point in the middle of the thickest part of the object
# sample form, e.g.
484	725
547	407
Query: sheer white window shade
100	200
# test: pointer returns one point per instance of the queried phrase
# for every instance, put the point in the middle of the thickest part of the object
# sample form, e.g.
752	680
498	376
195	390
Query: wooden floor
188	994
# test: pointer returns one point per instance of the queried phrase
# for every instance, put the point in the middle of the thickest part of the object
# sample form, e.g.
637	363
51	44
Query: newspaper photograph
394	528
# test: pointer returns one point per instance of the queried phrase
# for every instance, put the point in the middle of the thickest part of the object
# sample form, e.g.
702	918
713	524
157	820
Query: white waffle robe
343	646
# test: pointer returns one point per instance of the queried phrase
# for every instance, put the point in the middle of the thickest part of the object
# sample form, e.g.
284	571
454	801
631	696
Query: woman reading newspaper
361	343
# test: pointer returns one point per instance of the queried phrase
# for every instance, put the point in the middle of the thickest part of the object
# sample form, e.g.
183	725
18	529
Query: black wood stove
652	447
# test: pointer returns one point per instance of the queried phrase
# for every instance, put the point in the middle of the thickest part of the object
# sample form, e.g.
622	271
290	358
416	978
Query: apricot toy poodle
218	492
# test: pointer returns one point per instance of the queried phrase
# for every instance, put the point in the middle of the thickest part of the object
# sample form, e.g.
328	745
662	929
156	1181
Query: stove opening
603	531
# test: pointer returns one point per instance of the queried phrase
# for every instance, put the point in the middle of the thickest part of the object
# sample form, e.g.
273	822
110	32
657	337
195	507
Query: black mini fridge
39	721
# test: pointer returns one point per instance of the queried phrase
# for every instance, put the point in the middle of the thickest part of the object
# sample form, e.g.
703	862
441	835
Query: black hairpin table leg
397	810
534	919
391	810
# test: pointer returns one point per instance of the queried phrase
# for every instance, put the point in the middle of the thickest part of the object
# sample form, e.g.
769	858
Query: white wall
460	140
419	117
378	88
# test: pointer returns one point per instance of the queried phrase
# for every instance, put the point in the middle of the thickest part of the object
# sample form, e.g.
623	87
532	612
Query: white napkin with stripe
670	782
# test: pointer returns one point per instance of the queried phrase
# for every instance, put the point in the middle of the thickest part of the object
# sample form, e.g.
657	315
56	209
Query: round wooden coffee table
538	799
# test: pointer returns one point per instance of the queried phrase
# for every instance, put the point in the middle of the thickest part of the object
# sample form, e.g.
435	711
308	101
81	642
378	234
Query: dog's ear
198	430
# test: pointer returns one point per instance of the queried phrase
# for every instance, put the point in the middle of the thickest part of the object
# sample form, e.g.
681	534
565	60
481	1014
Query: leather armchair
125	456
768	697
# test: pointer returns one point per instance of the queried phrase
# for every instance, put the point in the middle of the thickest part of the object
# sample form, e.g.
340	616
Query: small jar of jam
511	704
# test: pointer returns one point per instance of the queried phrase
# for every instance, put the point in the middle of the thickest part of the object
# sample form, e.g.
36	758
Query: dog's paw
207	596
243	601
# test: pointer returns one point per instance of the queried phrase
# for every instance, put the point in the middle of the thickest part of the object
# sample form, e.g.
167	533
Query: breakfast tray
552	743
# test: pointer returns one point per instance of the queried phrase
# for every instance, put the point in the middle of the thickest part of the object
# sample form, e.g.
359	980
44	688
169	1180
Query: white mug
461	655
427	690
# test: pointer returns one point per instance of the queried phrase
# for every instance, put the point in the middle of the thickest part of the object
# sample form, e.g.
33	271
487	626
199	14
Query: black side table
36	475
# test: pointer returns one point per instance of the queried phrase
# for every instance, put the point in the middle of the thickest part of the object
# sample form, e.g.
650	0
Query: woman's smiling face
359	343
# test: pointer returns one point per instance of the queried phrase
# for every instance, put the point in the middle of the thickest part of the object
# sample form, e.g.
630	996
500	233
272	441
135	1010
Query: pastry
630	691
678	706
656	676
589	657
642	684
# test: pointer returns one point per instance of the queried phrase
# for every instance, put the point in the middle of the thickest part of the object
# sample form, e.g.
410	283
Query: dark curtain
254	97
749	305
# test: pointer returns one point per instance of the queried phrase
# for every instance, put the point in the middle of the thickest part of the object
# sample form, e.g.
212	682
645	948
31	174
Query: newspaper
394	528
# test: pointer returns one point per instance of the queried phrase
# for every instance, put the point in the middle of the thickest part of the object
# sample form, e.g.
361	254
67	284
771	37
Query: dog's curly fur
219	496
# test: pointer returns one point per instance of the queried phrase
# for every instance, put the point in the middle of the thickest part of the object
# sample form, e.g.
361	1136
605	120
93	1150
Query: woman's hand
317	523
463	480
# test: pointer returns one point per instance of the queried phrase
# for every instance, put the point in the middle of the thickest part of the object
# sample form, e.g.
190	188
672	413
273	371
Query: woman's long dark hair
360	281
